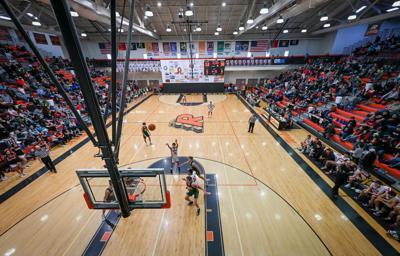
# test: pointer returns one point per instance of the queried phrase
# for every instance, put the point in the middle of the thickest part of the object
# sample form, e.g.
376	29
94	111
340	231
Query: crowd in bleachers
353	102
33	113
391	44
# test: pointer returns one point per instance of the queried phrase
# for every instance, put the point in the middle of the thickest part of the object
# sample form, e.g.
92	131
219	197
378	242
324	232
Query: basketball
152	127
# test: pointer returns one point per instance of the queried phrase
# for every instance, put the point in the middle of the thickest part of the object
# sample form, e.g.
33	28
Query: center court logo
188	122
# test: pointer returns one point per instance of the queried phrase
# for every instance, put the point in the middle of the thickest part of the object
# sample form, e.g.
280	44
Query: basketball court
265	207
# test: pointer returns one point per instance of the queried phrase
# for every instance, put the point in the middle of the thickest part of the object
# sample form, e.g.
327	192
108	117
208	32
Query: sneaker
393	234
198	211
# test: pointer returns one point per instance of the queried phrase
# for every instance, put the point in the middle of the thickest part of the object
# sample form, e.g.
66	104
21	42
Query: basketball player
183	98
193	190
211	107
146	133
194	170
174	155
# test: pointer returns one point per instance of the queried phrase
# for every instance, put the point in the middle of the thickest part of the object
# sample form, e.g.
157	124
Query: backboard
145	188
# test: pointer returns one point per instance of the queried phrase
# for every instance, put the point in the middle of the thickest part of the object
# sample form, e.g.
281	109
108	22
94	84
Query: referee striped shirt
42	152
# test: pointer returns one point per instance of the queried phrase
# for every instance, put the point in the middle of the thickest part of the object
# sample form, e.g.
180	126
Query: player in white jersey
174	155
211	107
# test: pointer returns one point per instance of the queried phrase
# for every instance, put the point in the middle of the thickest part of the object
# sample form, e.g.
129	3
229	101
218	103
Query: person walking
42	152
342	177
252	122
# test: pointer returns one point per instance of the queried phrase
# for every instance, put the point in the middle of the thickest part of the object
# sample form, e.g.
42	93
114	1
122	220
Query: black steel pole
124	81
46	67
114	72
68	30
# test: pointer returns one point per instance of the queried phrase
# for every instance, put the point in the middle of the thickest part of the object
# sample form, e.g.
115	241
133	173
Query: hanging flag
202	47
228	47
183	48
122	46
283	43
220	46
259	46
242	46
166	48
275	44
155	47
105	48
174	49
149	47
210	48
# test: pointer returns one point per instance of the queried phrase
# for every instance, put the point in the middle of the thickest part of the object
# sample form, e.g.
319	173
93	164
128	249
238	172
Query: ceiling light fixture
361	8
250	21
285	31
117	14
159	4
280	20
83	34
392	9
74	14
396	4
235	32
148	12
223	4
189	12
241	28
30	14
324	18
264	27
168	29
352	17
304	30
198	29
219	29
216	33
4	17
327	25
36	23
264	10
121	30
191	4
155	30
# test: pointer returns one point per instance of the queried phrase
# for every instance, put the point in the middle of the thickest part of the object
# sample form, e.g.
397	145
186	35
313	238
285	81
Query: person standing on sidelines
174	155
211	107
42	152
252	122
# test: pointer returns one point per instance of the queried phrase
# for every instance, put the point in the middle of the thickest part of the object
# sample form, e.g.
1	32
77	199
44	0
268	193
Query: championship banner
220	46
241	46
210	48
183	48
55	40
202	46
5	34
40	38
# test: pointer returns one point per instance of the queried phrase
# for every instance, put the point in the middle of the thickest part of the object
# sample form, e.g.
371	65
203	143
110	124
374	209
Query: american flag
259	46
105	48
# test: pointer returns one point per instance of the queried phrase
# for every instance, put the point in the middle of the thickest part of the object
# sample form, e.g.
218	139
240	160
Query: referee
43	153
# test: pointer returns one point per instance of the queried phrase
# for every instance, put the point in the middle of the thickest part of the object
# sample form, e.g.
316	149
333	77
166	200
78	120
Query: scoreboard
214	67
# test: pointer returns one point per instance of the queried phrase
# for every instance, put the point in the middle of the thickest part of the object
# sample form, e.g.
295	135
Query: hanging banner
122	46
155	47
55	40
283	43
166	48
149	47
174	49
294	42
183	48
220	46
241	46
202	47
210	48
40	38
228	47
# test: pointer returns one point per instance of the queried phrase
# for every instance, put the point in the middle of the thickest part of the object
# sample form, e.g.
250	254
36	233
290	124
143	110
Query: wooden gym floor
268	204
